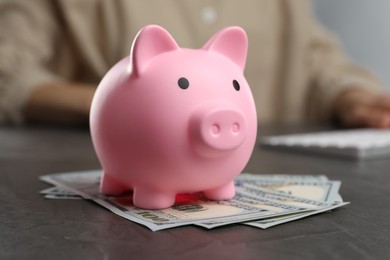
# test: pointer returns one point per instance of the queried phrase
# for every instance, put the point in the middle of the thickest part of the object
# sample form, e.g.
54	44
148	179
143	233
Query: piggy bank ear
230	42
150	41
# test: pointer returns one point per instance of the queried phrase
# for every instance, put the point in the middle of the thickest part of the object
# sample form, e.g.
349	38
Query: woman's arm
59	103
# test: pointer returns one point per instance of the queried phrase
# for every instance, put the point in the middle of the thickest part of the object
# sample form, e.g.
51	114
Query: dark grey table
32	227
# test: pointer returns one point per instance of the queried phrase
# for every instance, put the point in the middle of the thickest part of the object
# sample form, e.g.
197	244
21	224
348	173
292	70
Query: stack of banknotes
262	200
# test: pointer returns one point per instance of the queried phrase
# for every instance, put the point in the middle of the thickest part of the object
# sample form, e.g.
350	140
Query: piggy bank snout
218	130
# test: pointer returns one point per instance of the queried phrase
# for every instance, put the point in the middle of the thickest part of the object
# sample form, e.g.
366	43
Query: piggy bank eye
236	85
183	83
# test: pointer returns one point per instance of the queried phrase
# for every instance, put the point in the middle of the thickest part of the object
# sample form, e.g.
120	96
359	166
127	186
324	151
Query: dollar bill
282	197
309	187
300	186
277	220
252	202
58	193
277	178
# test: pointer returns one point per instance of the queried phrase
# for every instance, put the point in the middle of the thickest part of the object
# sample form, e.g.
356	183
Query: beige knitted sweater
294	67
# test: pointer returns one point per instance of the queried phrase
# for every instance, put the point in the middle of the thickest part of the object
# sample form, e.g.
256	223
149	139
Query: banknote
281	197
277	220
58	193
253	202
300	186
275	178
283	207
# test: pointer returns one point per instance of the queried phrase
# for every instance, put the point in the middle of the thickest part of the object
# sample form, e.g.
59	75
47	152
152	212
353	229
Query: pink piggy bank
168	120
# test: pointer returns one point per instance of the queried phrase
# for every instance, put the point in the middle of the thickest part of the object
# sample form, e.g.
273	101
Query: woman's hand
359	108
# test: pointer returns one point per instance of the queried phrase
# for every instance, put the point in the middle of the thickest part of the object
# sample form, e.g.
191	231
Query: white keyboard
357	144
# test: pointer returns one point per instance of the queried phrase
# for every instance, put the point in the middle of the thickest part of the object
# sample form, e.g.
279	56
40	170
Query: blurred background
363	27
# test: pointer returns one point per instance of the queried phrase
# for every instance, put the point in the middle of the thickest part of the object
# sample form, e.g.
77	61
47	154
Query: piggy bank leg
225	192
111	186
151	199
